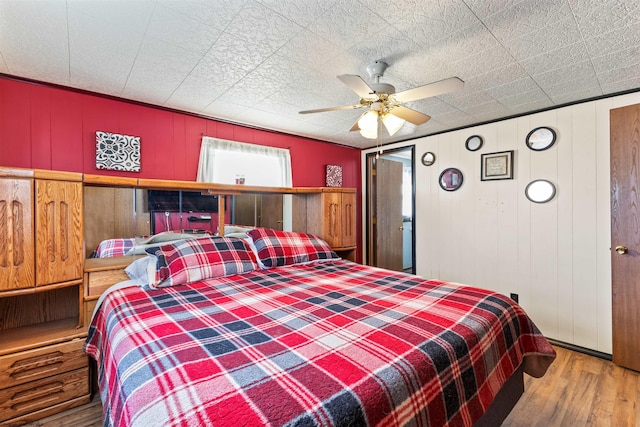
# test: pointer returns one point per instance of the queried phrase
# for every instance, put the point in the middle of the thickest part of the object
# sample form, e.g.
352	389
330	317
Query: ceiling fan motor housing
376	70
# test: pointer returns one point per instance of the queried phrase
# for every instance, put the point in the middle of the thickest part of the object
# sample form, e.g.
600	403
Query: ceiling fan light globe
392	123
369	133
368	124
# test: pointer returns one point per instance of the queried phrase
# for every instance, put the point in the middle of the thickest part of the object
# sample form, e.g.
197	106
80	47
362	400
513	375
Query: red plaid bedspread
333	343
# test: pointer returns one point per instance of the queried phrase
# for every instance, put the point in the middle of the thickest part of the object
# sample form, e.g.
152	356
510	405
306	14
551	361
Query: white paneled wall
555	256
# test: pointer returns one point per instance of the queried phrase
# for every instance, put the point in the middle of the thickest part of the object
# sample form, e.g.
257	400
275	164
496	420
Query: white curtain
223	161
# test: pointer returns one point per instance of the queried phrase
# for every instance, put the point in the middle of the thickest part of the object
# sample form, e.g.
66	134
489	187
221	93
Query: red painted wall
46	127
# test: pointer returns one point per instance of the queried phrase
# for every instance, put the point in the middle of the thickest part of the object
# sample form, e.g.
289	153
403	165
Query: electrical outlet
514	297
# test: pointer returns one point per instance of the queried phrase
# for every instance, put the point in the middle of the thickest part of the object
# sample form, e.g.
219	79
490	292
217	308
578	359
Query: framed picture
496	166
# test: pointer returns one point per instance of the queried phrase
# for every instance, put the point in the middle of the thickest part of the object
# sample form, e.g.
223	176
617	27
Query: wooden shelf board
38	335
111	263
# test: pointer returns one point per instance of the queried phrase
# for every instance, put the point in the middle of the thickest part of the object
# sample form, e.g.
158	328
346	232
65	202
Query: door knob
622	250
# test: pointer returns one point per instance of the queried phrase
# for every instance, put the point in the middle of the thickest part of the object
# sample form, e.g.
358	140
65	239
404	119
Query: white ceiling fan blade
322	110
432	89
356	84
355	126
412	116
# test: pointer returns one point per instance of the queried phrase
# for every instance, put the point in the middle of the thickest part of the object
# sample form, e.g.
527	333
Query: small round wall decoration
541	138
428	158
474	143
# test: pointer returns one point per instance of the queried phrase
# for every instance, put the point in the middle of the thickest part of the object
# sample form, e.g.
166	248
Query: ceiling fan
384	104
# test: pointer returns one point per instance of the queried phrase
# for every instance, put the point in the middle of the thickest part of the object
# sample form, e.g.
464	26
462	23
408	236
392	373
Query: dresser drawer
36	395
30	365
100	281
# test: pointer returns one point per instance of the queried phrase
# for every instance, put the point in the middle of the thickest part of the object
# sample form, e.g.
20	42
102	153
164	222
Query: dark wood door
388	224
625	235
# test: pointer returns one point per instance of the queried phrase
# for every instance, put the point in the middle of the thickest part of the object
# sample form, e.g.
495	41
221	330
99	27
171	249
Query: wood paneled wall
555	256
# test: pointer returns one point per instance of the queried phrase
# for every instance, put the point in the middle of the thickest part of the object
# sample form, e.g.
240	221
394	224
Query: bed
277	330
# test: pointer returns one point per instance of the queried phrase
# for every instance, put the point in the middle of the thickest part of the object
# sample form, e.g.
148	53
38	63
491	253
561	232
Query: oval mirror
450	179
540	191
541	138
474	143
428	158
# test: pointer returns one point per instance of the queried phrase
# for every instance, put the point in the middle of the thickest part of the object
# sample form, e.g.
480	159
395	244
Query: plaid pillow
193	260
278	248
114	247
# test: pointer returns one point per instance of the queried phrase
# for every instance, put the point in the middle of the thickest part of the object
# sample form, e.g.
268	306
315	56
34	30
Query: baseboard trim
580	349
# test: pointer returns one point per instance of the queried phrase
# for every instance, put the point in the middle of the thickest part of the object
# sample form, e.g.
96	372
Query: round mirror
541	138
474	143
450	179
540	191
428	158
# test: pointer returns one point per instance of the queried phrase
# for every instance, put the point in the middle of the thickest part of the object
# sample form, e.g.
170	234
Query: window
222	161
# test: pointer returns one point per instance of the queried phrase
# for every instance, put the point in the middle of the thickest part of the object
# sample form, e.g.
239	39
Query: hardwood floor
578	390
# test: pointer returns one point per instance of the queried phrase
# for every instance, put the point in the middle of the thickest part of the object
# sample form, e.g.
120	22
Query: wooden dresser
43	369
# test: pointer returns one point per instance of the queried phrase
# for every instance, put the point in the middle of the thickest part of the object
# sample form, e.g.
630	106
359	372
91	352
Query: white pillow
142	270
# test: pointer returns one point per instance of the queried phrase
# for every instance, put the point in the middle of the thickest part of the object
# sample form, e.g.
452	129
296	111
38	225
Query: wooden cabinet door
58	231
332	219
16	234
348	207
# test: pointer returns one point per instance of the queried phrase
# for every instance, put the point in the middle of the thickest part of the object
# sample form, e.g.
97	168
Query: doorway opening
391	209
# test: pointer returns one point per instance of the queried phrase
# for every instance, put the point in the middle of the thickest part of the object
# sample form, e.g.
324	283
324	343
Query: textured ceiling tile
303	12
87	33
513	87
37	30
619	74
614	41
573	85
262	27
623	85
467	42
570	73
484	62
99	71
162	56
117	13
429	21
250	90
3	65
175	28
581	93
229	60
218	13
598	16
484	8
347	23
517	99
224	110
621	59
190	96
454	118
562	33
309	49
389	45
526	17
531	106
550	60
488	111
431	106
464	102
152	88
